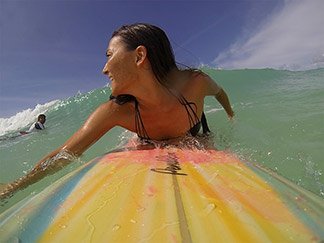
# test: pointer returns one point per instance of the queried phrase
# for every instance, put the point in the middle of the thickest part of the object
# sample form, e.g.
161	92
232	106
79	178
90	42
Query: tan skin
130	73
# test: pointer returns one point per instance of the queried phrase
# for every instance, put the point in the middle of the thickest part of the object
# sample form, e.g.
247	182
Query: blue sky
53	49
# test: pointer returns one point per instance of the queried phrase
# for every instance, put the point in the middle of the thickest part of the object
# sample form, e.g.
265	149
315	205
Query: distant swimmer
39	125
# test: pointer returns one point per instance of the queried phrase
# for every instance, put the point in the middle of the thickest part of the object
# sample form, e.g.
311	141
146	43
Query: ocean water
279	123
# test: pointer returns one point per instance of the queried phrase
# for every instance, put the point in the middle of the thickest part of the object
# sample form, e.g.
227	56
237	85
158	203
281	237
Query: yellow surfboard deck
167	195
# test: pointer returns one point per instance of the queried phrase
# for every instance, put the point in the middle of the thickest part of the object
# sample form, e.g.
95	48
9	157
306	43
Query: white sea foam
213	110
23	118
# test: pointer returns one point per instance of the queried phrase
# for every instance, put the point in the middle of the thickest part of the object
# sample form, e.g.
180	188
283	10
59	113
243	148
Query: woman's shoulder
200	84
195	76
197	79
112	110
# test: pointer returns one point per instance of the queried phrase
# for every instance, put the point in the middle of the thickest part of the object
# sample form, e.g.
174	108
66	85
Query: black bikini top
194	121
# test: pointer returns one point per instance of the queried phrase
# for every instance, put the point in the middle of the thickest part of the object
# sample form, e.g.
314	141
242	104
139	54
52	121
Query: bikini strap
139	125
122	99
204	123
189	106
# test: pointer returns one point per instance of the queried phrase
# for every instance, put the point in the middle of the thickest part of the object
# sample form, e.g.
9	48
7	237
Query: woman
150	96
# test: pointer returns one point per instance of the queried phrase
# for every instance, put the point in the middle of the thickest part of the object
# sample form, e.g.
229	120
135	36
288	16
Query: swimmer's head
156	42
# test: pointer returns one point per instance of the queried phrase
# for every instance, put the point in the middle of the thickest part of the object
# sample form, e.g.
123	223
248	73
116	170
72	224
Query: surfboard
167	195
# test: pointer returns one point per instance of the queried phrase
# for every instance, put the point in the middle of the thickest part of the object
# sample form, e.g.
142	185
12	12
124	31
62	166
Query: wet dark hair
159	50
41	116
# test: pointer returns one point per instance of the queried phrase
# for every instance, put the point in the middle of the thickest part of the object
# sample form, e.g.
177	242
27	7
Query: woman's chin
117	89
113	86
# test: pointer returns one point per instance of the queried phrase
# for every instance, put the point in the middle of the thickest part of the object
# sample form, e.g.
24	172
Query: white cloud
292	38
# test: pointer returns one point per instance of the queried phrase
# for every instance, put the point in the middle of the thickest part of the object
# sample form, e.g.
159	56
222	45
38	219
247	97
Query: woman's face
120	66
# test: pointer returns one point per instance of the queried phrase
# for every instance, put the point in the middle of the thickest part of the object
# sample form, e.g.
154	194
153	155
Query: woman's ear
141	53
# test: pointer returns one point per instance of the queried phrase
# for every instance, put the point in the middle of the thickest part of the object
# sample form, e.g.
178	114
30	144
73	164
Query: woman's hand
99	122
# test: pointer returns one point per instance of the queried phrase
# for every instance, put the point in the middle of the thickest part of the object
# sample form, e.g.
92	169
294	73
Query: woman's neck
151	93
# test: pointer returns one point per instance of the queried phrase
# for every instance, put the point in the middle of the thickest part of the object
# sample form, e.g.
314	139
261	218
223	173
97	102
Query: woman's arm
223	99
99	122
212	88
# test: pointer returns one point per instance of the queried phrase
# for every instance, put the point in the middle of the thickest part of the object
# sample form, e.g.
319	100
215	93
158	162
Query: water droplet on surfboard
209	208
116	227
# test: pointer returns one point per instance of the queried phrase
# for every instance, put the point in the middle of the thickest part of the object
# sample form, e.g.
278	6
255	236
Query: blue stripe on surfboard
39	222
305	205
